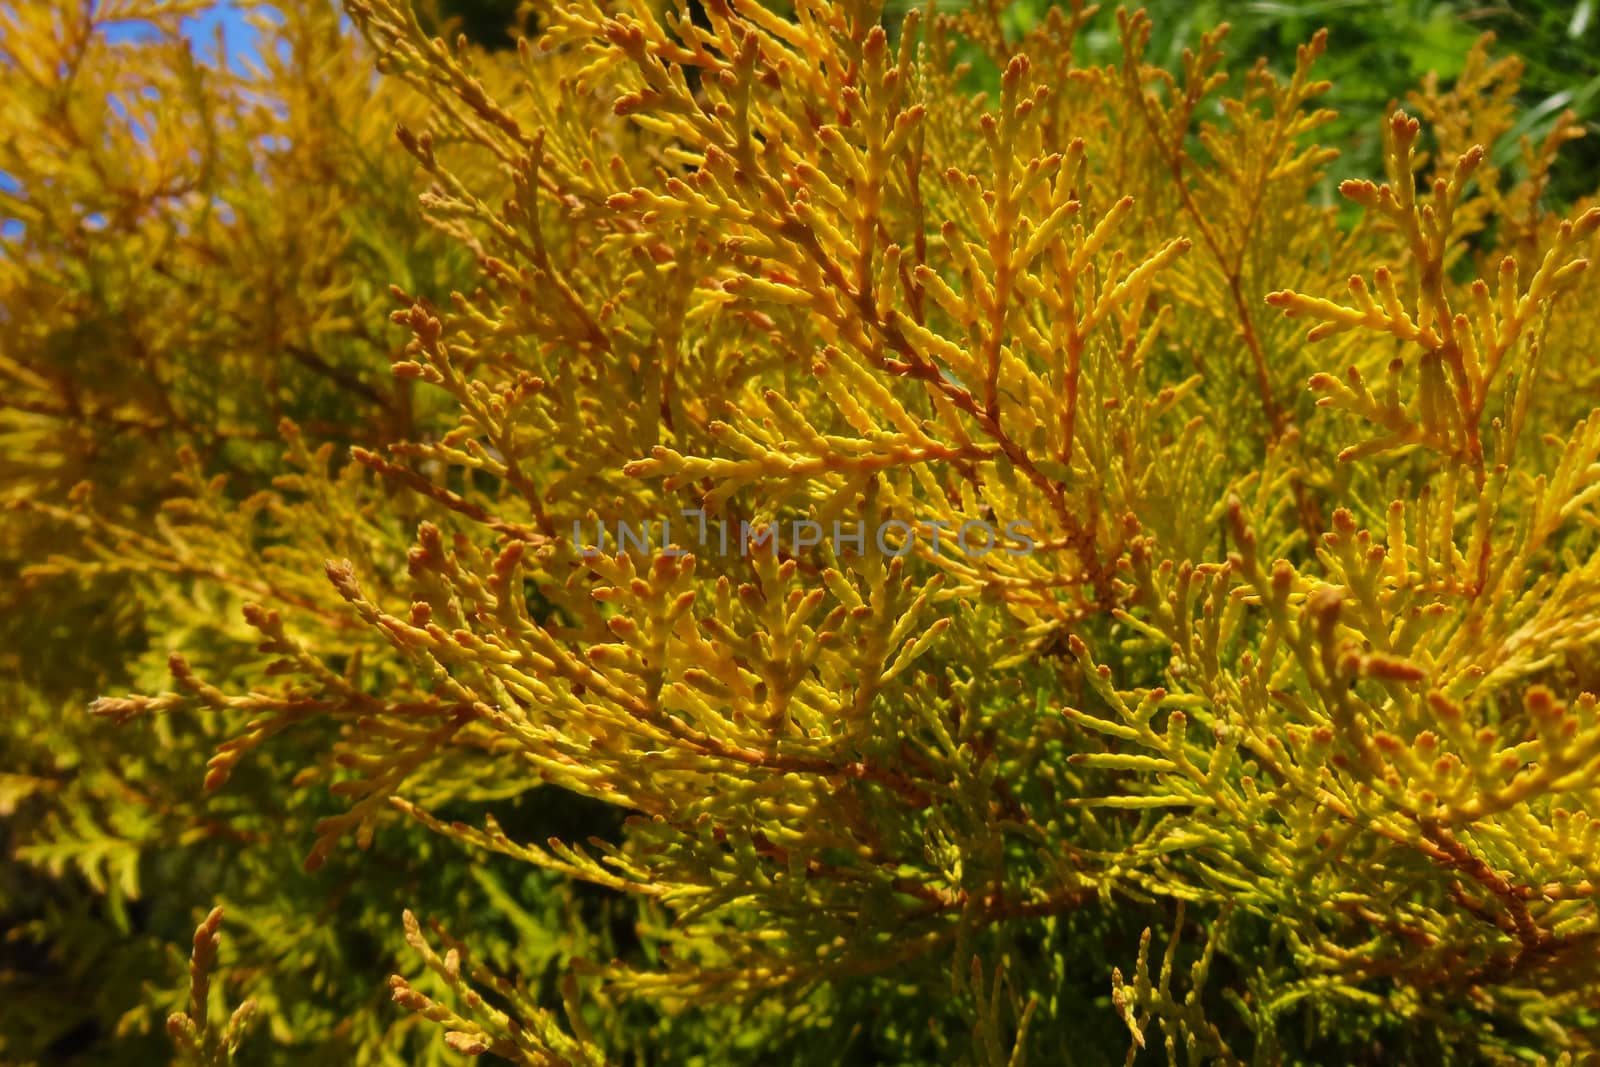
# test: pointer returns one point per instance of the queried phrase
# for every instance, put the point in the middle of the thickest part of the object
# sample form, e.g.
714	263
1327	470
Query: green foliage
1381	50
486	22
